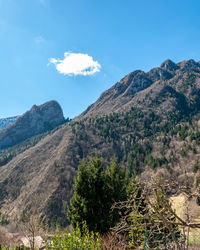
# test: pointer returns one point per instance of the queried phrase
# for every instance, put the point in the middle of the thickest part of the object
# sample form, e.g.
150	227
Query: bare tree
31	228
149	221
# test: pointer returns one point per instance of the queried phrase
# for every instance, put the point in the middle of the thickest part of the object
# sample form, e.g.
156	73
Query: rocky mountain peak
133	82
128	79
34	108
188	65
39	119
159	74
169	65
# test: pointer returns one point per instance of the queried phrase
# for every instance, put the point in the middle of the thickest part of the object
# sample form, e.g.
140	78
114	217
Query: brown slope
28	181
44	172
139	86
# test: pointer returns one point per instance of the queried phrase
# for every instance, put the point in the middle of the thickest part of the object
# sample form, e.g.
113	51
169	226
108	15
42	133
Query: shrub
195	167
75	240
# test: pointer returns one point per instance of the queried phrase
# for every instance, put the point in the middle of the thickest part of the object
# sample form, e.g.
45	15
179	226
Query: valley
148	121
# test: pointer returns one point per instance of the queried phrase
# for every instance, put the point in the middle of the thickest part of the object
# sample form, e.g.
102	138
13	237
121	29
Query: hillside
149	121
4	122
38	120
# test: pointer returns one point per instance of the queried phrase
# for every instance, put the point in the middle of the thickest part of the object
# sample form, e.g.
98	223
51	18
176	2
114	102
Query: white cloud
76	64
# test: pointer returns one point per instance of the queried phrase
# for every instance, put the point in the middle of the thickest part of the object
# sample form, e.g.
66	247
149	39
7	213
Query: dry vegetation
152	220
149	122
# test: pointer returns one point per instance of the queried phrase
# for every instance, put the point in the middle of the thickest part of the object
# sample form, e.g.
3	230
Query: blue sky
114	37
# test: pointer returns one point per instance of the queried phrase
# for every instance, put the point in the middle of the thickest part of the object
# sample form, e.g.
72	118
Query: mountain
136	88
148	120
35	121
4	122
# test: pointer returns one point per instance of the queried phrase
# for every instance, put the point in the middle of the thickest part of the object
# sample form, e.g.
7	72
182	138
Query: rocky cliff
136	88
35	121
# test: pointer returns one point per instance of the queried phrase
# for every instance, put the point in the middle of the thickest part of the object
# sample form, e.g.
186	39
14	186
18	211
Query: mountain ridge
152	131
35	121
132	84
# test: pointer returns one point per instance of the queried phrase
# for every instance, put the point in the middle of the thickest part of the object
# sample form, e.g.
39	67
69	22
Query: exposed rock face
169	65
39	119
189	65
125	92
159	74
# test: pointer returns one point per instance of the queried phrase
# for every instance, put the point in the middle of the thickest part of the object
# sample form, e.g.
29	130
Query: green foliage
4	220
165	231
183	152
76	240
197	181
130	135
135	236
146	217
115	176
196	167
137	232
53	211
95	190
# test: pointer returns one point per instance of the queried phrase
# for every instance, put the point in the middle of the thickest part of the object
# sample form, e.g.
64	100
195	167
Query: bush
4	219
196	167
75	240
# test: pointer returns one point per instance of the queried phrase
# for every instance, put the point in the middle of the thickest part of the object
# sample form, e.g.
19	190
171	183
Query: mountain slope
150	121
138	88
39	119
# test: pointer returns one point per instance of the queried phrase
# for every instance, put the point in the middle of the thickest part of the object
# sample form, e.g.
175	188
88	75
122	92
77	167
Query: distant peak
189	64
159	74
38	120
34	107
169	65
48	104
133	75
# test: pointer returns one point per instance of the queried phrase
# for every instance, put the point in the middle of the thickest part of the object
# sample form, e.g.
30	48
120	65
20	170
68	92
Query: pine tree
95	190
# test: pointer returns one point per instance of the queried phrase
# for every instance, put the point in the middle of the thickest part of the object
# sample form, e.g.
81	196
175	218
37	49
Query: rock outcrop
38	120
138	83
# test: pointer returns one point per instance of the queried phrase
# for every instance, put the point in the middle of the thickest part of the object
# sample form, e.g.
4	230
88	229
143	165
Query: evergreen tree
116	180
95	190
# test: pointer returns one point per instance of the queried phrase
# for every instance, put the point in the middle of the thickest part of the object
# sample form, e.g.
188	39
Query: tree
30	227
148	219
117	183
95	190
